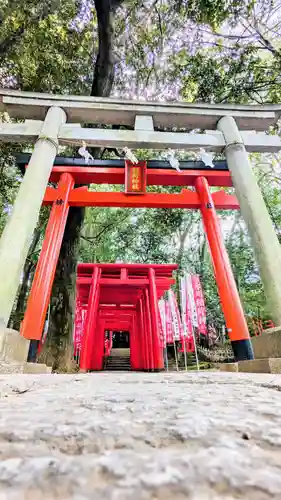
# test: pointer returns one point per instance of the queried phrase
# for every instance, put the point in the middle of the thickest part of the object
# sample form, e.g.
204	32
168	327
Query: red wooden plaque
135	177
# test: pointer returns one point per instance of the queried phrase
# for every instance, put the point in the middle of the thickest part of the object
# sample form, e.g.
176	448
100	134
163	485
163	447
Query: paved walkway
132	436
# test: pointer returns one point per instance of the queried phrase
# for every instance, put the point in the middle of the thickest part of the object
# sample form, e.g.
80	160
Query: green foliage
9	183
228	76
42	50
213	12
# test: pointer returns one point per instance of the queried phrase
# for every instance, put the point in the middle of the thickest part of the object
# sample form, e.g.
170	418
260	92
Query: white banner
162	310
190	294
183	303
176	326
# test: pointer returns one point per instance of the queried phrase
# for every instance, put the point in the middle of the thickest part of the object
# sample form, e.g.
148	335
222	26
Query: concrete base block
13	347
36	368
228	367
7	367
267	345
266	365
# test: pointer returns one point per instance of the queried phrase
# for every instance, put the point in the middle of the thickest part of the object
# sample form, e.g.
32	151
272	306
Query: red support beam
82	197
130	283
155	177
234	316
113	325
40	294
160	269
118	314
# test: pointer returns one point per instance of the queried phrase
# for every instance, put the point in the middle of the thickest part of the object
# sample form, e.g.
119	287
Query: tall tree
58	348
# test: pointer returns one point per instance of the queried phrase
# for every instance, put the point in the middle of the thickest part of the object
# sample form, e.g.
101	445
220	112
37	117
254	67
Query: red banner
200	304
108	343
176	319
135	177
80	317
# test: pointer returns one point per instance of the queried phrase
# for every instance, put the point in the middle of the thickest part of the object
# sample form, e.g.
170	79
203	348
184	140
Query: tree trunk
58	348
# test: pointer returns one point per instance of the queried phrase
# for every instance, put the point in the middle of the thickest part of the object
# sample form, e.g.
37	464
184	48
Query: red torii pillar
143	338
157	351
135	351
40	294
149	333
90	331
97	357
231	305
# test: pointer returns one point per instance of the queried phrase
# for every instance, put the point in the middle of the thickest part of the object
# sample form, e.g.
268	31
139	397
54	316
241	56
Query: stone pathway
132	436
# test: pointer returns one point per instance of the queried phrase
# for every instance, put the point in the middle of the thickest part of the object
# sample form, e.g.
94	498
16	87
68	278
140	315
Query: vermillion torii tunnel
123	297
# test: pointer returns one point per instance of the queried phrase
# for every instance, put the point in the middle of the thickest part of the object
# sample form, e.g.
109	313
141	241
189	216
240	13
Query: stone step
118	363
118	369
117	360
121	367
120	352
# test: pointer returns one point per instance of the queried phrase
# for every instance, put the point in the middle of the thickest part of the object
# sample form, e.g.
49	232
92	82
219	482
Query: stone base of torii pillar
267	352
14	352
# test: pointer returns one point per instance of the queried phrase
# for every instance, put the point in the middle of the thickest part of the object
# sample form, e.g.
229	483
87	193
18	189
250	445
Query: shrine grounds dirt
136	436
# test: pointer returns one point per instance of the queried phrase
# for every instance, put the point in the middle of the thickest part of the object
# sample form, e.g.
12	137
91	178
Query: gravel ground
135	436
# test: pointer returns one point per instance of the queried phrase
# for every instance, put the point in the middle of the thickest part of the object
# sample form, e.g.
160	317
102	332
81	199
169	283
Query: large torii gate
229	129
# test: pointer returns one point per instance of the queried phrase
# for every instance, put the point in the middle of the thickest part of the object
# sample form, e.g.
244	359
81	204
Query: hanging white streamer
207	158
129	155
174	162
85	153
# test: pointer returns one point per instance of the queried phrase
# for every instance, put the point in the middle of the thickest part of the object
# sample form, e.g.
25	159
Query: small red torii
123	297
